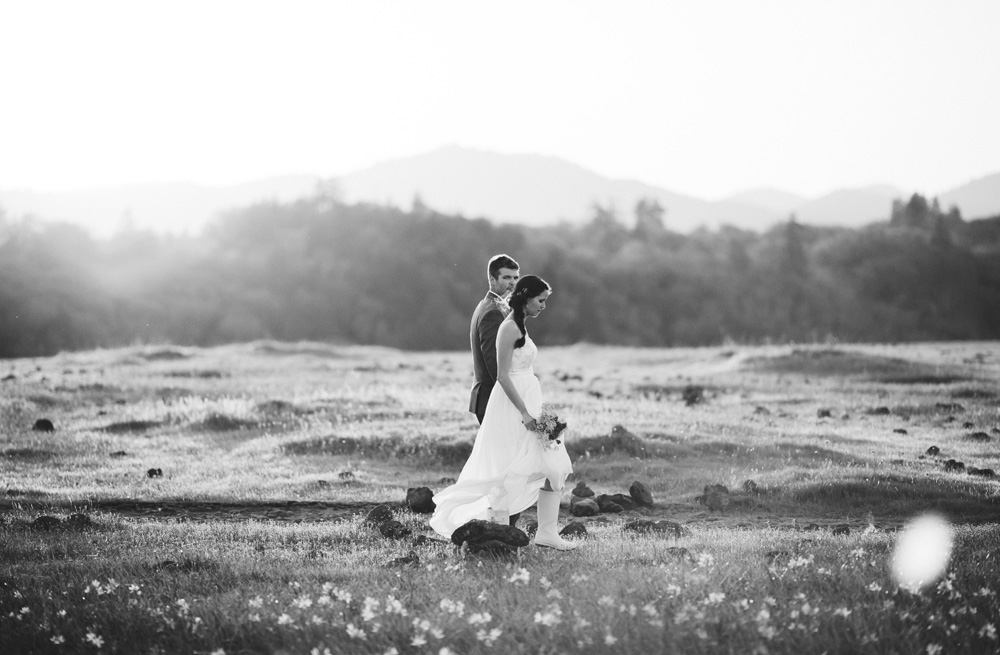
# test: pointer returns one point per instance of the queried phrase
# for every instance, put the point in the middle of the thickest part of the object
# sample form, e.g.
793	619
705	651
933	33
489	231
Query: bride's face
535	305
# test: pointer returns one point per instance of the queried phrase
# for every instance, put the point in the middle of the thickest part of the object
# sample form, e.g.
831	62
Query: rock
410	559
716	502
420	500
662	527
954	465
641	494
968	425
493	548
693	394
394	530
478	532
322	484
843	529
880	411
983	473
626	501
346	475
119	453
43	425
750	487
933	450
761	411
154	473
611	507
979	436
378	515
46	523
574	529
824	413
78	522
584	507
949	407
900	431
581	490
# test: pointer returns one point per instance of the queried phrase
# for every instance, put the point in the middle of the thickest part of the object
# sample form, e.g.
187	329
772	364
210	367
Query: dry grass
831	436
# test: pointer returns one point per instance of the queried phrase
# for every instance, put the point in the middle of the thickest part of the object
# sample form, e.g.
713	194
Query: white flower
842	611
521	575
284	619
716	598
57	639
256	602
934	649
480	619
355	633
606	601
218	651
94	639
989	631
610	639
418	640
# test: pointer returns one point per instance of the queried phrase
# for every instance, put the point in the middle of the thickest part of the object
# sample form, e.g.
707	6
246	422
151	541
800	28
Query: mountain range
510	188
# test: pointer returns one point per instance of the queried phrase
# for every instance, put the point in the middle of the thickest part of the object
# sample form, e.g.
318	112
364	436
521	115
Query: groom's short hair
501	261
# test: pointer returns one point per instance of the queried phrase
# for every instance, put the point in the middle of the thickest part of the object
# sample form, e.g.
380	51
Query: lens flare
922	552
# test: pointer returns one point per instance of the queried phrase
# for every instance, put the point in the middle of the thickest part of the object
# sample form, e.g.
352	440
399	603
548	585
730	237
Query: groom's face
504	282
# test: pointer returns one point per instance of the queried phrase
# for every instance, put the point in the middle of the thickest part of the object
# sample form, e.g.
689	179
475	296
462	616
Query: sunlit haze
706	99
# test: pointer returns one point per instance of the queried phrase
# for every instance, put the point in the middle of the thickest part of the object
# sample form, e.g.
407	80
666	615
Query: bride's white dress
505	456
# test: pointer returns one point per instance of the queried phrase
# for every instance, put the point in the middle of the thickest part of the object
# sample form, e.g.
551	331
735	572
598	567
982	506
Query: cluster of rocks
154	473
72	522
955	466
584	502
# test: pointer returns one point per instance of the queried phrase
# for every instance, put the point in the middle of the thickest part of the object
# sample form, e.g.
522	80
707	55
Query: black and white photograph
439	327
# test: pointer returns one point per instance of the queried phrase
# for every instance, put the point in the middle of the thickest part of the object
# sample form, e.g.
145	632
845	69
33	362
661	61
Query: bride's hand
528	420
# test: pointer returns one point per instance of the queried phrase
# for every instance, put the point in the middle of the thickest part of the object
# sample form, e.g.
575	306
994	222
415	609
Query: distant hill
172	207
977	199
516	188
528	189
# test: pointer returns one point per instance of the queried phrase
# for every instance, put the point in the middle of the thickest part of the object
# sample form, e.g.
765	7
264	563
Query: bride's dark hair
526	288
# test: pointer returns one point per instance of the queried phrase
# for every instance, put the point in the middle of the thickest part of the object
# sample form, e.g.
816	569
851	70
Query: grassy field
253	539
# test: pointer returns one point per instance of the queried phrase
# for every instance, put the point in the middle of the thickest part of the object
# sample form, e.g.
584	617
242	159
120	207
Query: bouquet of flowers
549	427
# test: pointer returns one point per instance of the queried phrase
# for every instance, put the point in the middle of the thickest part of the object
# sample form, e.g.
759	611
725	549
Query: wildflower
135	589
521	575
25	610
368	610
701	633
446	651
183	605
255	617
57	639
324	600
94	639
316	651
650	609
934	649
705	560
610	639
61	613
842	611
715	598
317	620
452	607
256	602
673	589
218	651
284	619
579	577
391	651
488	638
355	633
989	631
874	587
550	618
605	601
480	619
343	596
394	606
418	640
554	593
437	633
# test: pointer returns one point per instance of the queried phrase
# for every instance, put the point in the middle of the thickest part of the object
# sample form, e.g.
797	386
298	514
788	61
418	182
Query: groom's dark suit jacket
483	338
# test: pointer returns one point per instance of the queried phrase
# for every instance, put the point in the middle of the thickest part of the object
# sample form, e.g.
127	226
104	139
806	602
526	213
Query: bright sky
705	98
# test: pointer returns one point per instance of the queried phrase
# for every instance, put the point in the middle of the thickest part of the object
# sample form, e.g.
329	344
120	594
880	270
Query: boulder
154	473
584	507
932	451
378	515
78	522
693	394
420	500
394	530
574	529
581	490
43	425
661	527
641	494
954	465
900	431
626	501
46	523
750	487
824	413
983	473
979	436
477	531
842	529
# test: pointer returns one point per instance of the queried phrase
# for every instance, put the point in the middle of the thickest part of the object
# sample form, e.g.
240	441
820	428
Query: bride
509	468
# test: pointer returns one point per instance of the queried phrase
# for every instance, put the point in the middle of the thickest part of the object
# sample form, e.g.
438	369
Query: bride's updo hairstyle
526	288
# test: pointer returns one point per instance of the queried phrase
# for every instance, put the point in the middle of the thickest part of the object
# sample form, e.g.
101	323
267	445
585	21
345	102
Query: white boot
548	517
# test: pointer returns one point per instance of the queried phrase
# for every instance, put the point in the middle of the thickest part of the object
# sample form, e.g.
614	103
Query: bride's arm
506	337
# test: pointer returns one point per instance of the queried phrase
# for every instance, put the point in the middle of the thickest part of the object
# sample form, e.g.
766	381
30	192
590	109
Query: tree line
320	269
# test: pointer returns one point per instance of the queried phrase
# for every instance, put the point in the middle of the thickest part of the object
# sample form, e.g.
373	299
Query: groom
502	273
